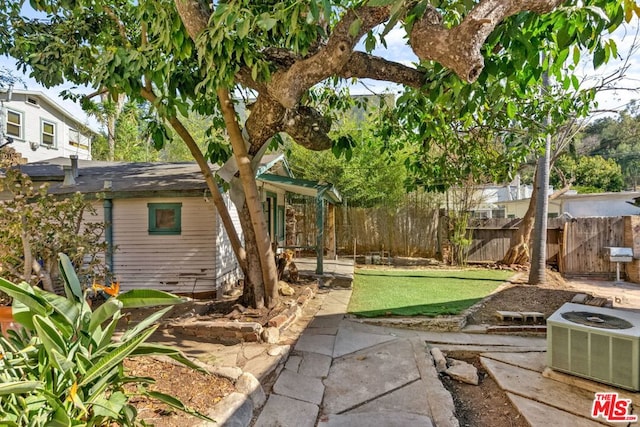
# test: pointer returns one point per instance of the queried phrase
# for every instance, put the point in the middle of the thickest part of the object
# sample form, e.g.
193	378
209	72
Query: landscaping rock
249	385
271	335
463	371
579	298
439	360
235	410
285	289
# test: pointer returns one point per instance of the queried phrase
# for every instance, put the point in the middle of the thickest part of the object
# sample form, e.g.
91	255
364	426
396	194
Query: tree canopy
183	55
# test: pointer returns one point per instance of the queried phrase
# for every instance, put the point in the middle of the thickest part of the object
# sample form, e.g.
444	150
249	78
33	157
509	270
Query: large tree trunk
252	200
253	295
519	250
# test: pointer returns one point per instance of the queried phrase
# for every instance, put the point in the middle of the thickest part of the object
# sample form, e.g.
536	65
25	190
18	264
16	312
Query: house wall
517	208
227	269
184	263
278	216
609	205
32	117
582	205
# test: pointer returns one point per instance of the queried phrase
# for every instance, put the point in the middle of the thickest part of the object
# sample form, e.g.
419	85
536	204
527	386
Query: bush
64	368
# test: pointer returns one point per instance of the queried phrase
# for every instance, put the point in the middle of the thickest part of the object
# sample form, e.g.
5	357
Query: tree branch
459	48
364	66
288	86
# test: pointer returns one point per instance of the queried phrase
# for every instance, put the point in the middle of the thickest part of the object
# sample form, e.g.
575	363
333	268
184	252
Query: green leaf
146	349
19	387
511	110
67	309
175	403
49	335
243	28
266	22
104	312
110	407
145	323
377	3
137	298
354	28
24	293
115	357
71	283
598	57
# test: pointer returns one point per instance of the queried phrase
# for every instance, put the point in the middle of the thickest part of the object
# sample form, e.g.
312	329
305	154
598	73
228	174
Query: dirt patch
226	308
482	405
519	296
195	389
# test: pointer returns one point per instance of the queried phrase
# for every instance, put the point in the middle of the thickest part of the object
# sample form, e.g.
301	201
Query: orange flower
112	290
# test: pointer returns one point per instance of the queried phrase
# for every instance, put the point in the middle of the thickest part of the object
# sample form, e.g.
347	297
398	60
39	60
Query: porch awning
303	187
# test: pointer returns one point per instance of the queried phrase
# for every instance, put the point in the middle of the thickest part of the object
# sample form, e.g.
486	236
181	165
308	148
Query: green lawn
420	293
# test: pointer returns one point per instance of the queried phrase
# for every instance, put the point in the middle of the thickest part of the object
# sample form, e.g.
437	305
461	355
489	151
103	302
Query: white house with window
41	129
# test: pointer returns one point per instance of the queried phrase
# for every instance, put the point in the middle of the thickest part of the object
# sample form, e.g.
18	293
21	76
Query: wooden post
319	232
332	251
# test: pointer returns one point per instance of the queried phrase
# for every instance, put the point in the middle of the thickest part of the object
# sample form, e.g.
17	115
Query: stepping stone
366	375
387	419
286	412
296	386
532	315
508	315
539	414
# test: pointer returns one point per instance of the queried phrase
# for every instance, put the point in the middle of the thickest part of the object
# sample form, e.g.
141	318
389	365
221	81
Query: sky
398	51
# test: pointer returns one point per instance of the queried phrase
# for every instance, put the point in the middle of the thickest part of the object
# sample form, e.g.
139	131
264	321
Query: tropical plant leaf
50	336
145	323
116	356
63	306
72	285
110	407
137	298
176	403
23	293
104	312
147	349
19	387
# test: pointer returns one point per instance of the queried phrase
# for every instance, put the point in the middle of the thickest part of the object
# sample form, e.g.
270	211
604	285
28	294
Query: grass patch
379	293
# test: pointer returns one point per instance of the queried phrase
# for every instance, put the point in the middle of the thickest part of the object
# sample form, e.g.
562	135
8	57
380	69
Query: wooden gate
584	242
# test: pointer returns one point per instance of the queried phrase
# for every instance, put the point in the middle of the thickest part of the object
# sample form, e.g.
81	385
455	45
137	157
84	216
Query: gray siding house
163	230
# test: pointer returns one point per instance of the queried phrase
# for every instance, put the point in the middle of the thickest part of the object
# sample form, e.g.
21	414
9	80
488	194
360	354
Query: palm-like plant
64	367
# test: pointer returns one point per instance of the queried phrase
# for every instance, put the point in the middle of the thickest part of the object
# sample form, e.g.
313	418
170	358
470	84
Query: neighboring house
581	205
163	230
486	200
41	129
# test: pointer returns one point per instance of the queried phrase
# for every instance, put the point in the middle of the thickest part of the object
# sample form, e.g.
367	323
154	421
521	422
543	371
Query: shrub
64	367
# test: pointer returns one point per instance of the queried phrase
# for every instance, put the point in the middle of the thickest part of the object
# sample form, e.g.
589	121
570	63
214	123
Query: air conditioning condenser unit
598	343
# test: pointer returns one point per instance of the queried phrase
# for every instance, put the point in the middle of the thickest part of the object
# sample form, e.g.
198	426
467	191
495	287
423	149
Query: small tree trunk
537	274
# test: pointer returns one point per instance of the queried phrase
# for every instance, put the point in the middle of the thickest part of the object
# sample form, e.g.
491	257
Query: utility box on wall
632	240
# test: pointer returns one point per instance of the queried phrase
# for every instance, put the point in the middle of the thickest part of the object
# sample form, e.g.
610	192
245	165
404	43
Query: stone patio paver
539	414
314	365
284	411
386	419
296	386
349	341
322	344
362	376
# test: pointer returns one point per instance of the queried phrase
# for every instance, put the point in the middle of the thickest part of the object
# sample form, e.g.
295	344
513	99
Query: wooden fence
576	246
